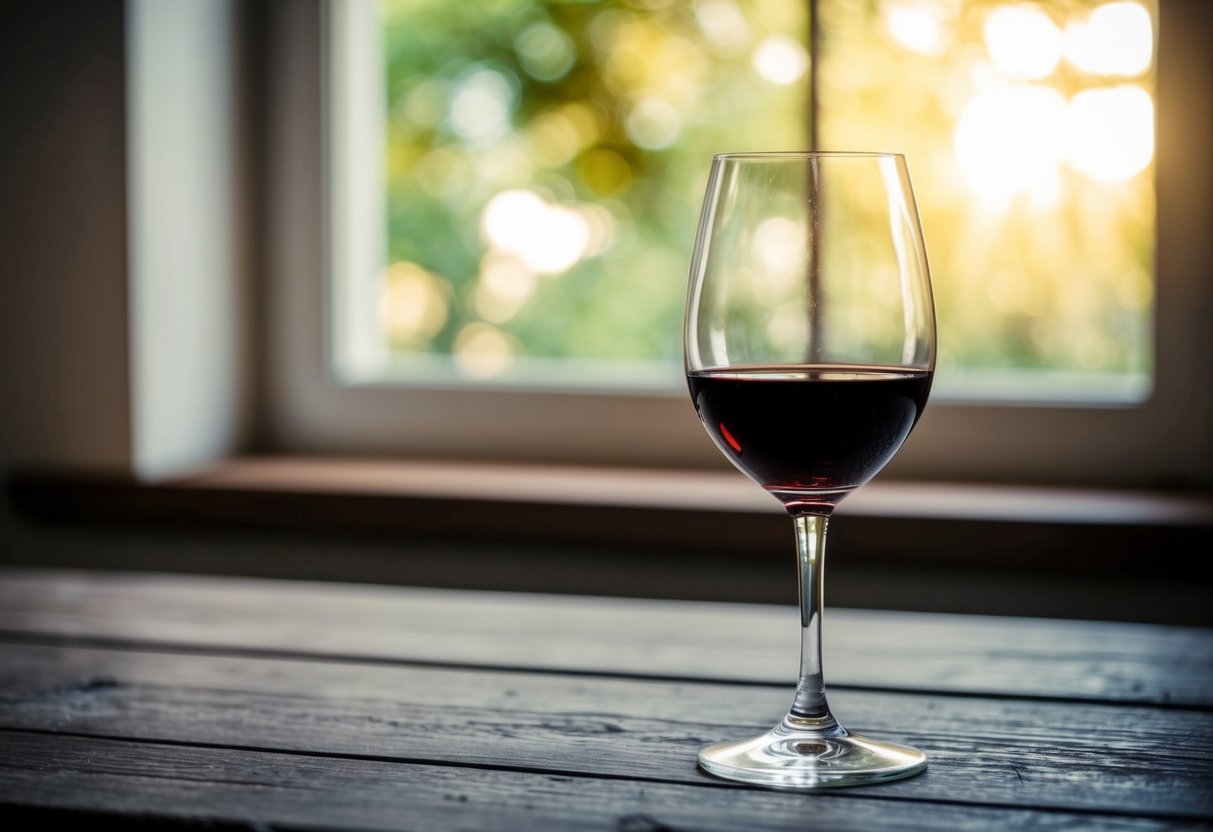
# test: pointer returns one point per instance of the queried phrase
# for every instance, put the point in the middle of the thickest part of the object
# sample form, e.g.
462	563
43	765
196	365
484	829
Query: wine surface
809	435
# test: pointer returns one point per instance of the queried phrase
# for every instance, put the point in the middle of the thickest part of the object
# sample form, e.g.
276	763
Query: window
1108	433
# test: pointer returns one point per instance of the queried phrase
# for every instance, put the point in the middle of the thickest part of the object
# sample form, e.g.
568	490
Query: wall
190	234
64	356
125	195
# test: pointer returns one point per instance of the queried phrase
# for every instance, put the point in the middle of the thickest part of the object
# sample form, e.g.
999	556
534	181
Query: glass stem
810	710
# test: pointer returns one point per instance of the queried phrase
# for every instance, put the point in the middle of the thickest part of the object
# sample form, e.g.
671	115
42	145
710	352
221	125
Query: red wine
809	435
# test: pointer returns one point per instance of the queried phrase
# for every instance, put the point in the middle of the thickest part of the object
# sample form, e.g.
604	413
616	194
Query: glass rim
806	154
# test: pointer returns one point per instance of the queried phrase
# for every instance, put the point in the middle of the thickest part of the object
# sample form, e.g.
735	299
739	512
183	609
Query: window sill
707	534
720	509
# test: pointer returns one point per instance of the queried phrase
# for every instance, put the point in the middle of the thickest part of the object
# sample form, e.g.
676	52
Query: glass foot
790	757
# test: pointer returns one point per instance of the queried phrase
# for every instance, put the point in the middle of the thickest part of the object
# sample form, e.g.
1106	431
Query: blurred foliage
597	121
609	109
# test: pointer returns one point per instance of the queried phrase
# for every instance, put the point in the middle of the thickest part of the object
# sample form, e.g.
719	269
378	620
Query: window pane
545	161
545	164
1029	129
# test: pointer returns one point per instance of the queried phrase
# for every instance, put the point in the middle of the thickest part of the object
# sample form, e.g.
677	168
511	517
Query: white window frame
1165	441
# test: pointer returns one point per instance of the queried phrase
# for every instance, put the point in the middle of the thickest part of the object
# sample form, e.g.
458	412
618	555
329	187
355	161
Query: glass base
792	757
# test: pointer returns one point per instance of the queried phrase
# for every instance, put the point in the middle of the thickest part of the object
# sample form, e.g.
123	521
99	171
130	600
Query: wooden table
266	704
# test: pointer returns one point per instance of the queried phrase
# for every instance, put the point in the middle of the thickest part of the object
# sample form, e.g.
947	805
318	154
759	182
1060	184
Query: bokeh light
548	238
413	304
1111	132
724	24
426	102
1009	141
918	26
1023	41
781	60
779	251
1115	39
506	283
481	106
483	351
546	52
653	123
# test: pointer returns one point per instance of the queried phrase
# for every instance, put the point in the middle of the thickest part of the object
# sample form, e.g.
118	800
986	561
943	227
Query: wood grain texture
261	704
258	790
1065	756
1096	661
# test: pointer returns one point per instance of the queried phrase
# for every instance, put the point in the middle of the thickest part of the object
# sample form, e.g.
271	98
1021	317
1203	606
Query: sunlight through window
1031	141
544	161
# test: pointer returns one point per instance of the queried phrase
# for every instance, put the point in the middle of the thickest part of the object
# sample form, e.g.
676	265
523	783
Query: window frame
1164	441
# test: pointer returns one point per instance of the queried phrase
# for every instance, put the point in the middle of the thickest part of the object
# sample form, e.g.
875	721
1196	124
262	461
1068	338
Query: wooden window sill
705	534
650	508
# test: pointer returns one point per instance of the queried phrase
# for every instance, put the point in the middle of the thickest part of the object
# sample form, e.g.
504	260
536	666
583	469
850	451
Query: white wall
189	234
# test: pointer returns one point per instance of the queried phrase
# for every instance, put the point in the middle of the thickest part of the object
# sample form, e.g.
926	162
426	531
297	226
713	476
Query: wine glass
810	347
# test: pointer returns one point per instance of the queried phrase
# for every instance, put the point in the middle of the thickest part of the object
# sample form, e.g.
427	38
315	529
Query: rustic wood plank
884	650
258	789
1065	756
